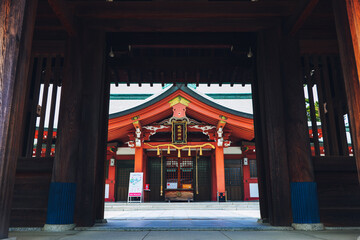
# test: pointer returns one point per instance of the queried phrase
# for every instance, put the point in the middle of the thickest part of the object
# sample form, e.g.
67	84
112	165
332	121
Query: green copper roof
139	96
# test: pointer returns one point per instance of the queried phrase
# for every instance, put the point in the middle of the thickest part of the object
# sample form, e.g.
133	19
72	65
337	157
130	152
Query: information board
136	187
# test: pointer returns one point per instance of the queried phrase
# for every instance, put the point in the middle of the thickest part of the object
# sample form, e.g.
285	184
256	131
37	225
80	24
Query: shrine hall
62	155
185	152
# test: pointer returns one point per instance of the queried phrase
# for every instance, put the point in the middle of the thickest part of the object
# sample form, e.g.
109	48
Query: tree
317	112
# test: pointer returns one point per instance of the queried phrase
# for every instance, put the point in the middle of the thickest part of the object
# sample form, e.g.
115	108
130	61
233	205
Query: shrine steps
124	206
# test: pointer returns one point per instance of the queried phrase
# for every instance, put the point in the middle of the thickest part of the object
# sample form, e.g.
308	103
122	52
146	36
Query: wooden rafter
296	21
65	13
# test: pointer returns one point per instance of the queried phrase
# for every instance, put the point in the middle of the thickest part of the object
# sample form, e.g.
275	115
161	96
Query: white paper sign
136	184
254	190
107	187
171	185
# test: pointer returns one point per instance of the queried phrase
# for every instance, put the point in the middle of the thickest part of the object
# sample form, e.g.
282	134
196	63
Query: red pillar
246	177
213	178
220	170
347	20
140	164
111	182
139	160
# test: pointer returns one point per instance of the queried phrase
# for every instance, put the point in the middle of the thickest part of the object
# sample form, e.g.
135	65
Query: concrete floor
180	223
189	235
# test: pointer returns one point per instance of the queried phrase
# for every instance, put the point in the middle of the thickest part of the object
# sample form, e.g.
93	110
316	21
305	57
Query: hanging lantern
179	153
189	153
168	152
200	151
158	151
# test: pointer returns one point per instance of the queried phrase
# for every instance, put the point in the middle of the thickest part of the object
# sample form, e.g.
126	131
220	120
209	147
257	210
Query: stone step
123	206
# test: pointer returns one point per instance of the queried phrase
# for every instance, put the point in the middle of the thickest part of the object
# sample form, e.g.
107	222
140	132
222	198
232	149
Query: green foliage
317	112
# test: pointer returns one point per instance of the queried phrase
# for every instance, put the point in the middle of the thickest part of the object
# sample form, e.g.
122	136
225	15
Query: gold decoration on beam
182	147
179	99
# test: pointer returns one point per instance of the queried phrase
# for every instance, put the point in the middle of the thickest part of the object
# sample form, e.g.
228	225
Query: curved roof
187	90
199	107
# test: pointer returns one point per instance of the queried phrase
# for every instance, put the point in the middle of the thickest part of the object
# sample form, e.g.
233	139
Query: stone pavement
189	235
185	221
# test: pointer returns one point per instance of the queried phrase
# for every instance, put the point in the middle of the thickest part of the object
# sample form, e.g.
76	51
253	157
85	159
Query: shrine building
188	147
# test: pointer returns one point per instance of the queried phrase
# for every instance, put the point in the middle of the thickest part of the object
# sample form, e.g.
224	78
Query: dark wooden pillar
260	158
17	20
347	19
304	201
91	151
62	193
78	173
101	160
273	145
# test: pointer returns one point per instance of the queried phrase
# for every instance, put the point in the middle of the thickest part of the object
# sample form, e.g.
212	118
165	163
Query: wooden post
260	158
273	127
16	40
61	202
139	159
91	150
111	181
304	200
100	180
347	20
220	170
213	178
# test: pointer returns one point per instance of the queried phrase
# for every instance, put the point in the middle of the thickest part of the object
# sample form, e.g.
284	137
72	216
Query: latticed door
204	180
123	170
233	184
154	166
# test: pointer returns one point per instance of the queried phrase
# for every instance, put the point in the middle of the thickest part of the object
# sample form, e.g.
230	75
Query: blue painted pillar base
61	204
304	203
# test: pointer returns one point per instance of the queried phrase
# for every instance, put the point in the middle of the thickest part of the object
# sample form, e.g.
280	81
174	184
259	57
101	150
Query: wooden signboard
179	132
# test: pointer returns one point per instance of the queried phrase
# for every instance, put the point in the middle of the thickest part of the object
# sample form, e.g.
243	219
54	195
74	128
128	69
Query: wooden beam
181	63
295	22
184	24
319	47
65	13
180	10
347	21
17	24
